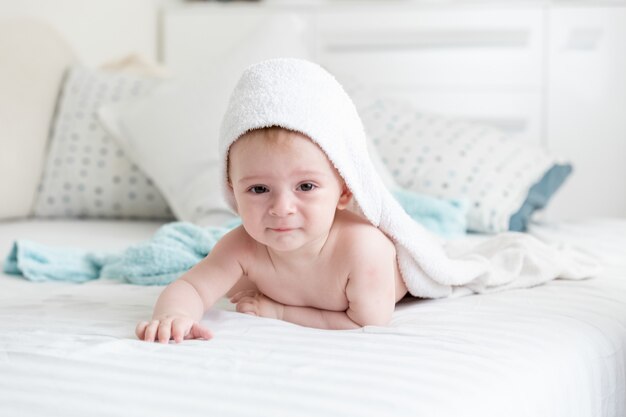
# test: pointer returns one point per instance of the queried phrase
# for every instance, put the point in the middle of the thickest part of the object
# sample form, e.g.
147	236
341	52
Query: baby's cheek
251	226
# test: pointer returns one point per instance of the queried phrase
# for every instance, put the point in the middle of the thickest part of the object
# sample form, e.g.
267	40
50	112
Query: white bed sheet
554	350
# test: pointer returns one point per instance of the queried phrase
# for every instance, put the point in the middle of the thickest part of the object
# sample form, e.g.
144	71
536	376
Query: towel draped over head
302	96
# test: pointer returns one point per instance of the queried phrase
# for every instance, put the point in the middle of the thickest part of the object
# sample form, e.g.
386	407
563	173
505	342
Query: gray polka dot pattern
87	175
451	158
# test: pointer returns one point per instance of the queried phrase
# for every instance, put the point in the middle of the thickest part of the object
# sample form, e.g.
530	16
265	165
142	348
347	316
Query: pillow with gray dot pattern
504	179
86	174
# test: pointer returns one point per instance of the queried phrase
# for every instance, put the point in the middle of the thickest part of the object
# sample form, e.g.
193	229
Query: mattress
554	350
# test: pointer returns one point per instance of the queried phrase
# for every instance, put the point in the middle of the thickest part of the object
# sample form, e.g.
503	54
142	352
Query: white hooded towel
301	96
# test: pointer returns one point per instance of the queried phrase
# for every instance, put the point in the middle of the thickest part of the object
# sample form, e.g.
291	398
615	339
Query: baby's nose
282	205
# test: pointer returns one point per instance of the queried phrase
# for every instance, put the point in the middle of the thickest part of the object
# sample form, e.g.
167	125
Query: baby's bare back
319	281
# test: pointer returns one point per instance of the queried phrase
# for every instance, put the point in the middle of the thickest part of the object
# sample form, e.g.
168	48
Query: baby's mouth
281	229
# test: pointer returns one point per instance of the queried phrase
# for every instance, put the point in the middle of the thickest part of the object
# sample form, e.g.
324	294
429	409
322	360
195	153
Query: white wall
586	104
564	83
98	30
587	108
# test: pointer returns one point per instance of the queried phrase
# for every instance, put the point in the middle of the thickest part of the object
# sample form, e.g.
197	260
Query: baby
294	165
300	254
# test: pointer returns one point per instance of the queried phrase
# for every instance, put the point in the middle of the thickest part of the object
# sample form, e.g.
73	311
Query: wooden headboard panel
476	63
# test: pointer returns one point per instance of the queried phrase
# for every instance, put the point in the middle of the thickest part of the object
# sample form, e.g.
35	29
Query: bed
554	350
69	349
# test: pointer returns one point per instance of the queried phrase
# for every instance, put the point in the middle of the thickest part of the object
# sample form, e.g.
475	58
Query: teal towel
178	246
447	218
43	263
173	249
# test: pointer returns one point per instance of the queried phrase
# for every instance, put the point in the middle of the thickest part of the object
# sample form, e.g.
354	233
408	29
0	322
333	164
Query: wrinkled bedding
558	349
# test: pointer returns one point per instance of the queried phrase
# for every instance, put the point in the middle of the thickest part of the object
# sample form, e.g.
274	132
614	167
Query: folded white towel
302	96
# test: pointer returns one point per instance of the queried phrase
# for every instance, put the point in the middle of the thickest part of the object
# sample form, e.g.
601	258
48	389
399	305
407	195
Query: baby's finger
198	331
140	330
165	329
151	331
235	298
241	302
180	328
247	306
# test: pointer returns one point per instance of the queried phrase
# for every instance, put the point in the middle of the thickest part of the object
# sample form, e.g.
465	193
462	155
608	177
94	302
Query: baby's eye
307	186
258	189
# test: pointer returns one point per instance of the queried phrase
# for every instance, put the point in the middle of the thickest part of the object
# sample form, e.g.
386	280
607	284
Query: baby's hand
254	303
177	328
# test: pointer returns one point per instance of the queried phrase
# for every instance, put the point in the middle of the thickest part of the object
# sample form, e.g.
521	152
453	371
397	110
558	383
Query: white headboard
99	31
470	62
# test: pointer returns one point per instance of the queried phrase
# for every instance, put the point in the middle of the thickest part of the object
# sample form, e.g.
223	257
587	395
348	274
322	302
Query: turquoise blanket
178	246
173	249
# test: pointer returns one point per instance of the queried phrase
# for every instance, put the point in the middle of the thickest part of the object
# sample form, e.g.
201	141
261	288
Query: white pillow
172	134
454	159
33	60
86	173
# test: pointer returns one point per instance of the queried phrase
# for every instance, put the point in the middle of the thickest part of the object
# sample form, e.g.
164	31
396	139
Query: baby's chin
283	239
287	240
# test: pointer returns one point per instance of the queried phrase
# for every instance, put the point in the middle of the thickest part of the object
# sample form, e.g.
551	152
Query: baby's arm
255	303
182	304
320	319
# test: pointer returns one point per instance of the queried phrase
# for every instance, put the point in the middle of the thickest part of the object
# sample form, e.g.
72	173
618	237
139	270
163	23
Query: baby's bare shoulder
359	238
237	244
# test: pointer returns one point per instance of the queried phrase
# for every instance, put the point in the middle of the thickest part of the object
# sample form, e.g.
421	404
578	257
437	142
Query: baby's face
286	189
